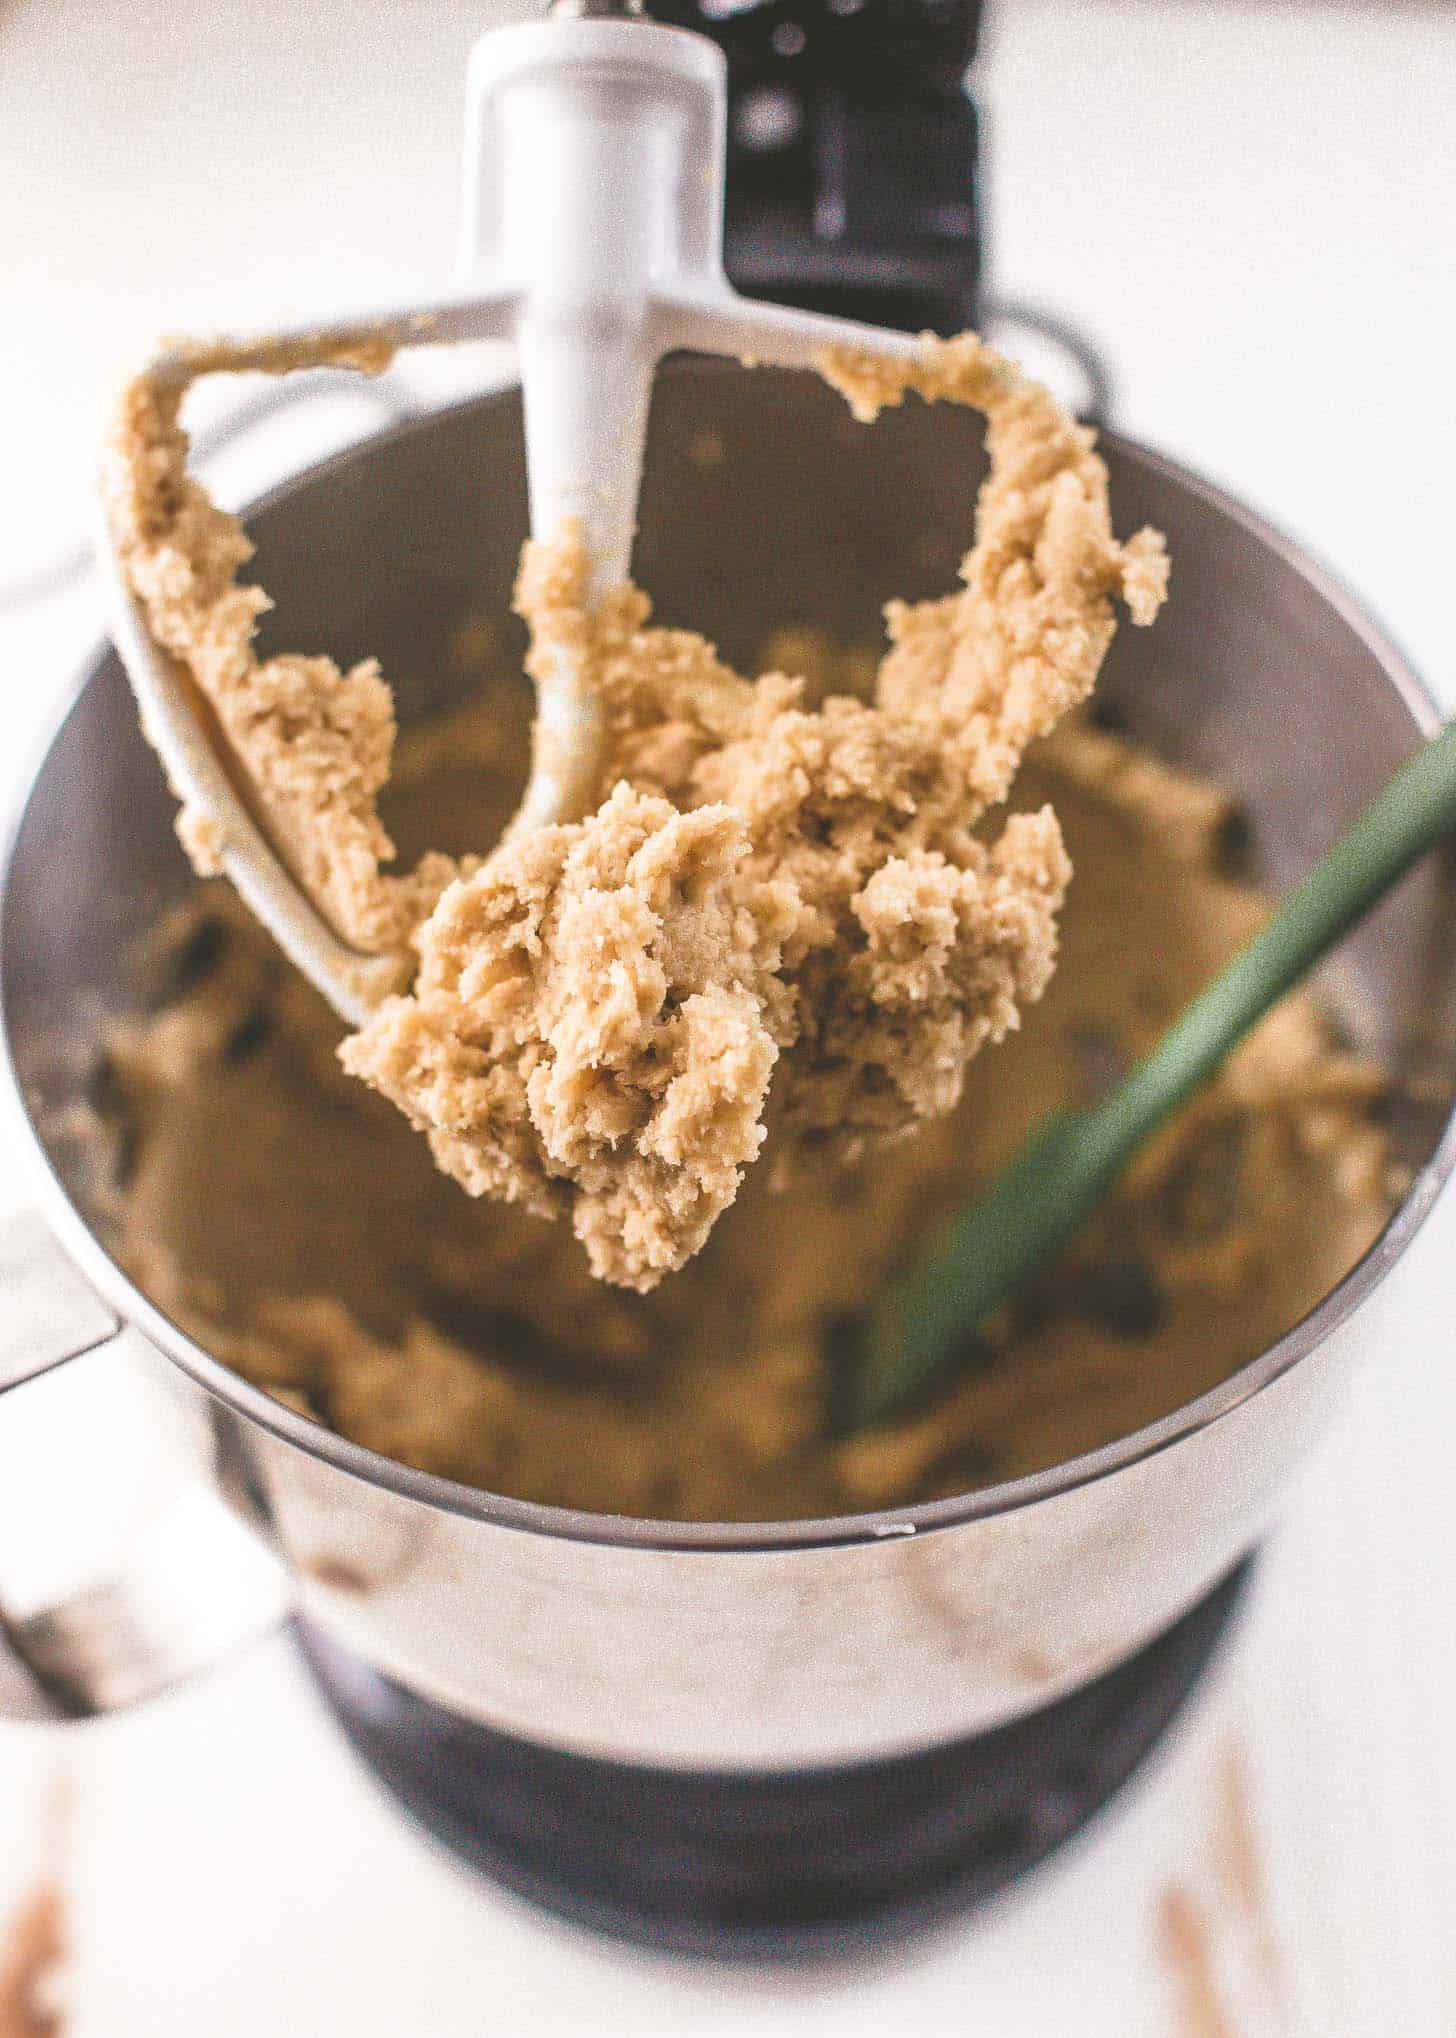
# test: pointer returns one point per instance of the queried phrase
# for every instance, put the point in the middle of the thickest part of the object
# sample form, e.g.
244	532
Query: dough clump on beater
315	743
779	916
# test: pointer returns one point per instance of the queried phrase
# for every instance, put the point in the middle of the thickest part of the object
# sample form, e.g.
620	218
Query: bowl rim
656	1534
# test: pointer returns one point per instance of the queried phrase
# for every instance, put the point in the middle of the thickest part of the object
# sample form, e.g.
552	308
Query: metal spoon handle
1056	1179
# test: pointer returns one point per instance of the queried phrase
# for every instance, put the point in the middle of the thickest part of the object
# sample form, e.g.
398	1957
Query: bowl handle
123	1570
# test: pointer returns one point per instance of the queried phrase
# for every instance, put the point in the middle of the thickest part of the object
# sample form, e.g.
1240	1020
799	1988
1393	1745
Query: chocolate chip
1122	1296
1233	845
839	1347
1036	1308
1201	1195
186	963
1107	713
1412	1120
126	1145
664	1495
512	1339
482	1327
102	1087
105	1092
252	1031
961	1469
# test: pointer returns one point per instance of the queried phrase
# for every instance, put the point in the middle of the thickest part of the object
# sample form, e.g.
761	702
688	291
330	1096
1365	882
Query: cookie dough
314	743
780	914
288	1218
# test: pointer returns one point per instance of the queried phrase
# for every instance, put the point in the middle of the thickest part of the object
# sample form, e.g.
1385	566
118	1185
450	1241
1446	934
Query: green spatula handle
1053	1183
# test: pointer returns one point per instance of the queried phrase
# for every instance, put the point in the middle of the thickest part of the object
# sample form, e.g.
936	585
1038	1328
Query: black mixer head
852	154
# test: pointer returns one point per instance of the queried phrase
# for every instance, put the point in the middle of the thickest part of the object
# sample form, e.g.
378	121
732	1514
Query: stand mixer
593	244
771	1739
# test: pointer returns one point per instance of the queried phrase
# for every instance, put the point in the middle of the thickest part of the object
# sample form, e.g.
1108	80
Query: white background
1255	207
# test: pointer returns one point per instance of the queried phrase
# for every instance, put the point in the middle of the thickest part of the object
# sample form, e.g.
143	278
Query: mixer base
771	1866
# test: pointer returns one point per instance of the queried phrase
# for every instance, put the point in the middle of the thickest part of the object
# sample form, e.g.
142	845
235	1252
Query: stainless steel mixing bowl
762	1645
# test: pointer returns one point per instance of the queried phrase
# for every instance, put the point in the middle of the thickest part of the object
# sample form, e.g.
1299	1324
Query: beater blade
592	243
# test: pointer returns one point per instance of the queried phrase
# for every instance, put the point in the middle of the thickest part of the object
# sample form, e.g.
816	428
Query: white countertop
1252	206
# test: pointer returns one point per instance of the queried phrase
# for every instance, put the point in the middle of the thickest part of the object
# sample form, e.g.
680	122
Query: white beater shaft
591	184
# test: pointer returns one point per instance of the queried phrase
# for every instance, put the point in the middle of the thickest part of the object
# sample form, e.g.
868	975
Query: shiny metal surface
51	1312
766	1644
115	1587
